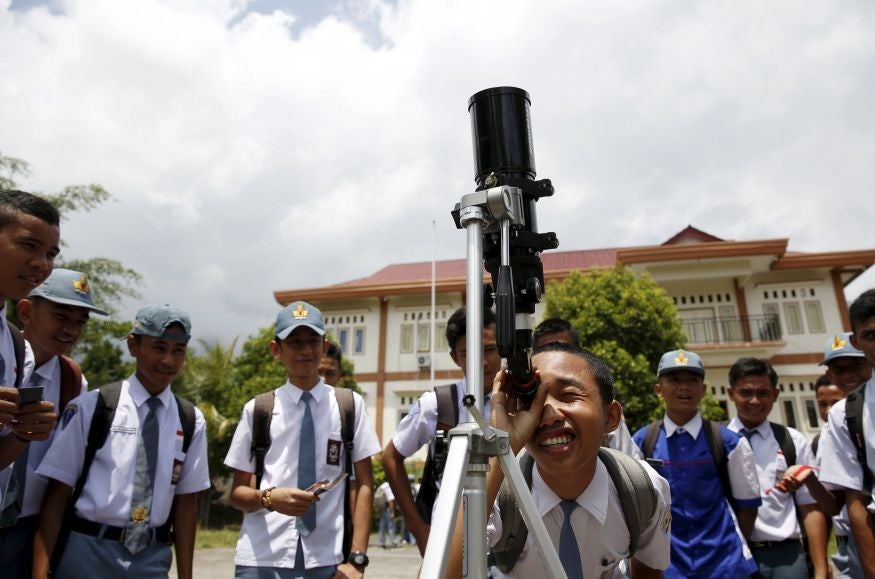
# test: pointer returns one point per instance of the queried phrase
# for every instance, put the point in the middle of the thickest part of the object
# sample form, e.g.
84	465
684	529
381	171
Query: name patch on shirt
69	412
333	454
124	429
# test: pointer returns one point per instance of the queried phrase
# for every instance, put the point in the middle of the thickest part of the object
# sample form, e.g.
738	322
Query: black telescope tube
502	132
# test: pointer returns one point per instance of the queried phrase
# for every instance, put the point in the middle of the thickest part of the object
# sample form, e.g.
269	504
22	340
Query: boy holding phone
53	316
293	527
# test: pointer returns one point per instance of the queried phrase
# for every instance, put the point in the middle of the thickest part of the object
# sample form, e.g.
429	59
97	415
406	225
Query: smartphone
323	487
30	395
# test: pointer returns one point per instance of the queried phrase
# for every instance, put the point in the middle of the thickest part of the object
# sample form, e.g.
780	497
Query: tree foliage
629	321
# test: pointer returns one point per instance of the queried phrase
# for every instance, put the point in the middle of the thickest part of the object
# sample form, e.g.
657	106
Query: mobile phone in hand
30	395
323	487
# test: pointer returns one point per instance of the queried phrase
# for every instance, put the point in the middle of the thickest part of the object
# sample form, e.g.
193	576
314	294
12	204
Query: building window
406	338
811	413
789	414
440	338
793	318
358	346
814	317
343	339
423	337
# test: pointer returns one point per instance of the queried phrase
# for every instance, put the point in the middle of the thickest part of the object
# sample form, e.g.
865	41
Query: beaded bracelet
265	499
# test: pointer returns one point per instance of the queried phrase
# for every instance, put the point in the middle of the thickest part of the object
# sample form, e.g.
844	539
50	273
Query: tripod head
504	163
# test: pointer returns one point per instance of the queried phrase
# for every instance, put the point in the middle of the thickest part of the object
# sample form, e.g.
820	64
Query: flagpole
433	284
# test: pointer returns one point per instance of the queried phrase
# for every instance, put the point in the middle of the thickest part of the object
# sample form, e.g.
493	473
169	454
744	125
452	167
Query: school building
734	299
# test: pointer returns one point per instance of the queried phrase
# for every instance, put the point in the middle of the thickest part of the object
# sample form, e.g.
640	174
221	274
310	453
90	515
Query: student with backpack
53	317
288	445
847	448
783	457
126	467
584	496
434	414
711	471
29	242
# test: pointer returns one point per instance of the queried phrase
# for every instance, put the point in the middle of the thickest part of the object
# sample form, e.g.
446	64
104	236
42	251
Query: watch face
359	559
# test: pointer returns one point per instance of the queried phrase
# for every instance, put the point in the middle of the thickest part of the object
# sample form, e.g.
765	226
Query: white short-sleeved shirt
106	495
387	489
776	517
841	524
599	527
7	351
35	486
838	455
621	439
418	427
269	538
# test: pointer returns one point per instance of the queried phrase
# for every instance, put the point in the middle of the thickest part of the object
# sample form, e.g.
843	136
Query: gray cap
680	360
67	287
840	347
298	314
154	321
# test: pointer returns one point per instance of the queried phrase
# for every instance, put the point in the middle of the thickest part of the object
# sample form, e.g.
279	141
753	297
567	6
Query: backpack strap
261	418
650	438
785	442
71	381
635	489
514	532
447	397
346	406
714	438
20	349
854	403
101	421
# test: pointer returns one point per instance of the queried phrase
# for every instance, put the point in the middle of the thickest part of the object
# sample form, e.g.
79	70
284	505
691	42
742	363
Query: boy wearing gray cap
708	468
127	464
293	524
53	316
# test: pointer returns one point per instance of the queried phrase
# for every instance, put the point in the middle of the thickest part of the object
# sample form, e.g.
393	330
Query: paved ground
401	563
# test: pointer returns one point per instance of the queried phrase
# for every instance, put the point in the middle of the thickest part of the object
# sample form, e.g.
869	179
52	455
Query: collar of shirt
47	371
763	428
294	393
139	394
594	498
693	426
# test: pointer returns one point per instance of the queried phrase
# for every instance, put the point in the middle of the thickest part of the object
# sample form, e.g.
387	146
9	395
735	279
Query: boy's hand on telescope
519	418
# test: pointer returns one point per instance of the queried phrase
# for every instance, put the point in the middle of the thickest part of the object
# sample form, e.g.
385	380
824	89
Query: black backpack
19	348
635	489
101	421
854	403
261	419
447	419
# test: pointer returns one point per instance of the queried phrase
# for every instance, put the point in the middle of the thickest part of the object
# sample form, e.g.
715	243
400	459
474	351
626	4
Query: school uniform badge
333	454
666	521
176	472
69	412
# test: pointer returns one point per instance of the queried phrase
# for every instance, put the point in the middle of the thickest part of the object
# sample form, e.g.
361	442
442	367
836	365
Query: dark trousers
780	560
16	548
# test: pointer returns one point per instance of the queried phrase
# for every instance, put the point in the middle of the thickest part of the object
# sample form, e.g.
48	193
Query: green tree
101	356
629	321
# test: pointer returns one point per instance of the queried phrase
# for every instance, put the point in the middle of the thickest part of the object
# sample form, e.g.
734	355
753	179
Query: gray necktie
138	532
569	552
307	464
748	434
14	495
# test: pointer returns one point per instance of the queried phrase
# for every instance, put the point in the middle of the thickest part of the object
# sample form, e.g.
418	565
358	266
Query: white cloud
247	158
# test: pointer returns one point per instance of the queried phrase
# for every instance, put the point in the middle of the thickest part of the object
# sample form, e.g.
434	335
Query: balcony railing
732	329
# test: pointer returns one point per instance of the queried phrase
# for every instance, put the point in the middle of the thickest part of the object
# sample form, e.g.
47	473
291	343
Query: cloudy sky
263	145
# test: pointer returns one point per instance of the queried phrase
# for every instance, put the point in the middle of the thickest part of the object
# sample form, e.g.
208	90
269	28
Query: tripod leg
446	509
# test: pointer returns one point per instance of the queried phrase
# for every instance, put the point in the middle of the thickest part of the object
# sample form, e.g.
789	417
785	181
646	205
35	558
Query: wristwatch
359	559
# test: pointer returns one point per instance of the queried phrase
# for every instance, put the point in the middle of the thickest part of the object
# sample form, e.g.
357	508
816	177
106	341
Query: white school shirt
599	527
838	455
269	538
776	518
418	427
106	495
7	351
841	524
621	439
35	486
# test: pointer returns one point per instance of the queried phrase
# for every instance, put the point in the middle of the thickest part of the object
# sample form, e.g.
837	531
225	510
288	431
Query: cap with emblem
840	347
67	287
298	314
680	360
155	320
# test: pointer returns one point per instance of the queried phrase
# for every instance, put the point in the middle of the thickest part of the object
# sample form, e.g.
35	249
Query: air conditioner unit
423	361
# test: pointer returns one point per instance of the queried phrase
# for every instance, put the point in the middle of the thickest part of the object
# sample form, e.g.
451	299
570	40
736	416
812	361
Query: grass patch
213	538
